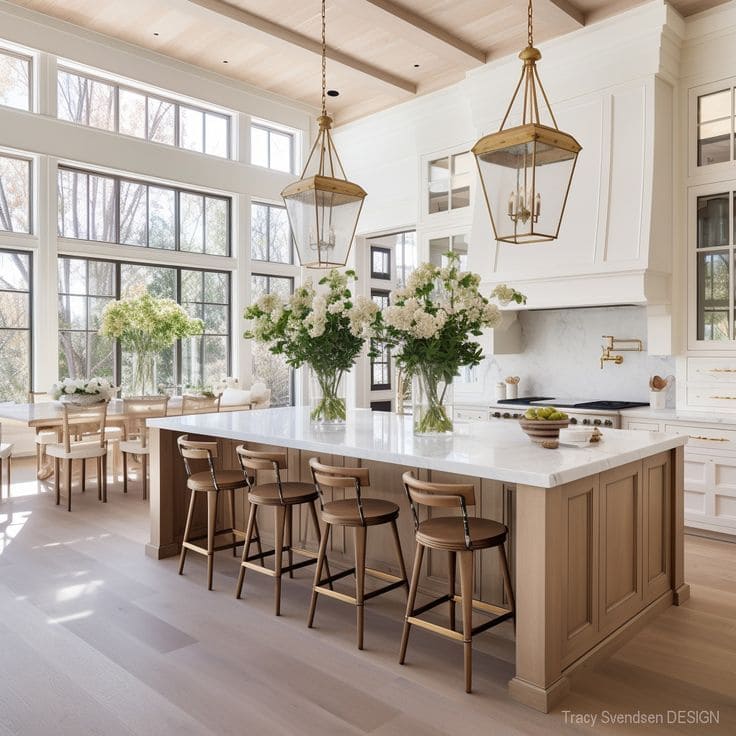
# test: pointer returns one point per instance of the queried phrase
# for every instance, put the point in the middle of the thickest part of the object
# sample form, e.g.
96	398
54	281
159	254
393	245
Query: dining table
50	415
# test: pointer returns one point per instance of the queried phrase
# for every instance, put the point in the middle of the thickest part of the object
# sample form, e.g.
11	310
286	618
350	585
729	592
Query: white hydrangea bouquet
324	329
82	390
430	326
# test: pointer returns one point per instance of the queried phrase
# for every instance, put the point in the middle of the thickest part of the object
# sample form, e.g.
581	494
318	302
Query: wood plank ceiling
382	52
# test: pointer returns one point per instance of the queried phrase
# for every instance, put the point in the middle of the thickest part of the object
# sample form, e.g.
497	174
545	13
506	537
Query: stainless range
595	413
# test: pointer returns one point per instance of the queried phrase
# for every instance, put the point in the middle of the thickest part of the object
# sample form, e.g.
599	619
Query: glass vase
432	402
143	370
327	398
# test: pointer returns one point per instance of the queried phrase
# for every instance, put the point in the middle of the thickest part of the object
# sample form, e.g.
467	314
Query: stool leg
246	547
315	520
321	559
10	480
104	479
416	571
68	481
1	480
289	531
187	532
451	563
466	592
125	472
232	521
84	475
211	527
144	474
279	522
57	478
507	581
99	478
399	554
257	535
360	534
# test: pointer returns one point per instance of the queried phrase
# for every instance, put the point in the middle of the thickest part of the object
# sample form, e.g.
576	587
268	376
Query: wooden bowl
542	430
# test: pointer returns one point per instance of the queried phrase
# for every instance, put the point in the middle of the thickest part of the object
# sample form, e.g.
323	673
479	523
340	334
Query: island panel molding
595	546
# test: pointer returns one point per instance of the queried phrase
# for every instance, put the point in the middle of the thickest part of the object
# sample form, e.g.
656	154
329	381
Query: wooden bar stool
282	496
459	536
358	513
211	482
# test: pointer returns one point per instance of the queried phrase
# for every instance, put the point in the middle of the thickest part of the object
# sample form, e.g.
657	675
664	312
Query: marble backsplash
561	357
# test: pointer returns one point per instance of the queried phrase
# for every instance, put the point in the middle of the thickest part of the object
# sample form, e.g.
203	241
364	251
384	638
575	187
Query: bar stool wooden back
282	496
460	536
135	433
211	482
359	513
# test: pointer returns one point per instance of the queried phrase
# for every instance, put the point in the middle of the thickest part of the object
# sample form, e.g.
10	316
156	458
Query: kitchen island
596	533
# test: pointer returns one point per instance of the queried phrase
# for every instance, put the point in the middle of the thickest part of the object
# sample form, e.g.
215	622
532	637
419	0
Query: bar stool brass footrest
189	544
396	582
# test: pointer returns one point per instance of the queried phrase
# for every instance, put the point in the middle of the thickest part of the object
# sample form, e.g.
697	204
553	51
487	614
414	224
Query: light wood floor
95	638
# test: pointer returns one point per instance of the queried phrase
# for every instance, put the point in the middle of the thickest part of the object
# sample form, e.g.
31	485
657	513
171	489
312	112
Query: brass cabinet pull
727	398
722	370
709	439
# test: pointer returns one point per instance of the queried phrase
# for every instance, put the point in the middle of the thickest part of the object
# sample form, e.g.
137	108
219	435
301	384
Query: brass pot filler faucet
622	345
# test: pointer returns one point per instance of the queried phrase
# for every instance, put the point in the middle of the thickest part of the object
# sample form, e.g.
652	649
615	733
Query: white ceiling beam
433	31
286	35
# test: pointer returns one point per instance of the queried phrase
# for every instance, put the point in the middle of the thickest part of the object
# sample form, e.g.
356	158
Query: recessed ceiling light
332	93
416	66
155	33
225	61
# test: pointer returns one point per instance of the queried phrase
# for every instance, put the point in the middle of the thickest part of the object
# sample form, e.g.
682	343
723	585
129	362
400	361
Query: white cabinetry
710	470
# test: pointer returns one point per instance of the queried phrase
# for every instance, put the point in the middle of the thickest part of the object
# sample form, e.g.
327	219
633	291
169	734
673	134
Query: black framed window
116	209
15	194
380	263
381	363
87	285
269	368
270	234
103	103
15	79
16	324
271	147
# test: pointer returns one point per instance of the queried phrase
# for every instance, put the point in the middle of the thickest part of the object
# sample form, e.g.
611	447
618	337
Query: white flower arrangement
83	386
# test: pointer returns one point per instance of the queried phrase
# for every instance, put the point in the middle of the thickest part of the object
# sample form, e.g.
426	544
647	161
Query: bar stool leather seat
227	480
293	493
345	512
449	533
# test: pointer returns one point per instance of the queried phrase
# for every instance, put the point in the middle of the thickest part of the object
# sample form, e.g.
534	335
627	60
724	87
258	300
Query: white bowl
577	435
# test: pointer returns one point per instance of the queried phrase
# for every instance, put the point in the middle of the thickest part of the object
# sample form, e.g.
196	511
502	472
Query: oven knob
497	414
597	422
516	415
573	420
608	423
506	415
586	421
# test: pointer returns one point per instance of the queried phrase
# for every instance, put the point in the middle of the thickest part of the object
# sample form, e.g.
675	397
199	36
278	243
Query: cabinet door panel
621	554
580	565
657	489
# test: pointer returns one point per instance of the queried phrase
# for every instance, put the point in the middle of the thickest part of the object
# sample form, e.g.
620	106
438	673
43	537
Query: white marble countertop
495	450
678	415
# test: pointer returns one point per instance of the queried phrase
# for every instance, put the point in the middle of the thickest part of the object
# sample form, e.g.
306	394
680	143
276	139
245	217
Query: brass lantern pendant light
323	207
526	171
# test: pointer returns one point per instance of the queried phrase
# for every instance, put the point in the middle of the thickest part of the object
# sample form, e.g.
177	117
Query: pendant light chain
529	25
324	62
